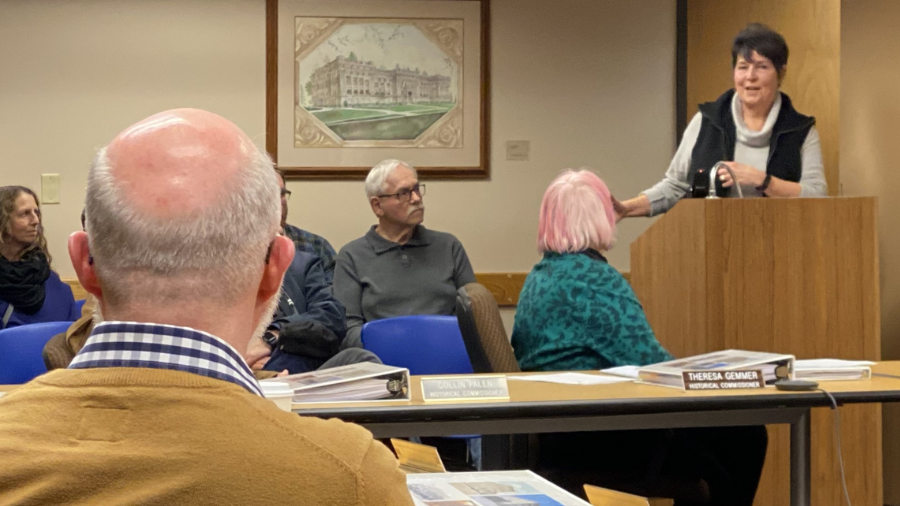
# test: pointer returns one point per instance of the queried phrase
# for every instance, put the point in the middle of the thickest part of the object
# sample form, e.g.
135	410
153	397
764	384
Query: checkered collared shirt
315	244
127	344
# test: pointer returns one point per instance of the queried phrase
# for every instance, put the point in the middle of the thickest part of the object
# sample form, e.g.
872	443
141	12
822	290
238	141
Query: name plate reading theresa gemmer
723	380
464	388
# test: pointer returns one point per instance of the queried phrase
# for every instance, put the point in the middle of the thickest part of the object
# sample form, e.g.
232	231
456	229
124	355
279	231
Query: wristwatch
270	338
765	184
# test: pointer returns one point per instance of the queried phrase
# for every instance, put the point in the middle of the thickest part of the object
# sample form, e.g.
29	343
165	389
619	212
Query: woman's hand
620	209
638	206
745	174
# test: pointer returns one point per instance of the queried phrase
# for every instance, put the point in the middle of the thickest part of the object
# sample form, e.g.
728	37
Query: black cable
837	436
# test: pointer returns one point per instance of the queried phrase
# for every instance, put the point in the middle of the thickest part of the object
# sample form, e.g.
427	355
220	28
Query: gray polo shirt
375	278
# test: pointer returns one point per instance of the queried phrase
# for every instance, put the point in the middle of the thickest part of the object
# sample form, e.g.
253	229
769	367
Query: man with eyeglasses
399	267
304	240
182	251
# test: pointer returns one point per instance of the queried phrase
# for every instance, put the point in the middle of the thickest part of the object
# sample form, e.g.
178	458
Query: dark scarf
22	282
596	255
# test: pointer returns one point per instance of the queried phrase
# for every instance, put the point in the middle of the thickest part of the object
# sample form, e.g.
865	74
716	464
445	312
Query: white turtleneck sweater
751	148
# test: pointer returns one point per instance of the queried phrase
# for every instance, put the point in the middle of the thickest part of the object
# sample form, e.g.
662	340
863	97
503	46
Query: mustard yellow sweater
117	436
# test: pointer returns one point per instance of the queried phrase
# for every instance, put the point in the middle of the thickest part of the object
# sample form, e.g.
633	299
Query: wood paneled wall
870	105
812	30
505	286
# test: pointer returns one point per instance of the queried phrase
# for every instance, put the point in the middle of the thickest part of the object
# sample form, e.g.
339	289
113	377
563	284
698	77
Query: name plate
723	380
464	388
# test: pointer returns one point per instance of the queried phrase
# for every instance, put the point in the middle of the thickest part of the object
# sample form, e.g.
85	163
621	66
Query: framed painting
352	82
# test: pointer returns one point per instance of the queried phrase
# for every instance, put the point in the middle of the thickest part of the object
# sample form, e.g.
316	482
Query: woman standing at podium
576	312
772	149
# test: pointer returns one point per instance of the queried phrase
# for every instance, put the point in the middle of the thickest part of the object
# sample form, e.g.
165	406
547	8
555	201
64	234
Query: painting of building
346	82
369	82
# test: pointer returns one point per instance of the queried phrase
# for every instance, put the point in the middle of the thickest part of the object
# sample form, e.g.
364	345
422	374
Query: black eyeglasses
286	194
405	195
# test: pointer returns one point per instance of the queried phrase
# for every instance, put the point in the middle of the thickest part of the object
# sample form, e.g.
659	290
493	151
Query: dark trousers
709	466
296	364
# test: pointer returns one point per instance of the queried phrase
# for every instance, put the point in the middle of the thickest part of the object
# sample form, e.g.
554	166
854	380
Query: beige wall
870	108
76	73
588	82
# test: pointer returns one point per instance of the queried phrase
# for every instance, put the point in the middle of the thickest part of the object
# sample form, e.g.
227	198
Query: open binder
355	382
773	365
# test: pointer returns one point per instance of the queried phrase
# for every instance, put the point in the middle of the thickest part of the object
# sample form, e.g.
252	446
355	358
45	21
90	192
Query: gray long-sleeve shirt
376	278
751	148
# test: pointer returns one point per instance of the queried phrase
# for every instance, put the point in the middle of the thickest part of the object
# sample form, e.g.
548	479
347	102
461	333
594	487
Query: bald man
183	254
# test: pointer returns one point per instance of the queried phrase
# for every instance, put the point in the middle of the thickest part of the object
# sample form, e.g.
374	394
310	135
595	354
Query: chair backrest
605	497
80	304
20	351
482	330
424	344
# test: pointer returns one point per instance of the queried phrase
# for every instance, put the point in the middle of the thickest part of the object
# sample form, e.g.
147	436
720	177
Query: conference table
538	407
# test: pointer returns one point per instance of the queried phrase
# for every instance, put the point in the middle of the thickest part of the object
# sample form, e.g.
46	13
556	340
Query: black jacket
311	321
717	137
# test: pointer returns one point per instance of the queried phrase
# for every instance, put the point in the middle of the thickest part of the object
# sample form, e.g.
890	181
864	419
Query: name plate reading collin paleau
464	388
723	380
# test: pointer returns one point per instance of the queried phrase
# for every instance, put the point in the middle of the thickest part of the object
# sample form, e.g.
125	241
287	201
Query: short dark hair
762	39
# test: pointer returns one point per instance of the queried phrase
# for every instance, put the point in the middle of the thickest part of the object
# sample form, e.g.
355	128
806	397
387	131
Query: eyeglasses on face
405	195
286	194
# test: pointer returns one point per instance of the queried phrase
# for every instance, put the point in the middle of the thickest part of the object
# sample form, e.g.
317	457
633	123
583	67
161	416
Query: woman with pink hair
576	312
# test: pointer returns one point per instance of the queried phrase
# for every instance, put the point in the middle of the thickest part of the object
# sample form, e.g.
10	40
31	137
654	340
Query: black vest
717	136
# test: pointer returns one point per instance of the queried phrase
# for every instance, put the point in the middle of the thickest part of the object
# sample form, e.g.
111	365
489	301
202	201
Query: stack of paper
571	378
830	369
625	371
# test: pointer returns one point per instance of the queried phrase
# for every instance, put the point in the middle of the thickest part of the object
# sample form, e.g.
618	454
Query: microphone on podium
707	185
700	184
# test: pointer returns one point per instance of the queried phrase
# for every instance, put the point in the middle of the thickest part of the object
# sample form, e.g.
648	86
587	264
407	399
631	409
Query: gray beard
268	315
98	314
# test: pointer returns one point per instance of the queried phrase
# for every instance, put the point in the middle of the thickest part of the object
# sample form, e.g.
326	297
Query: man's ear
80	253
281	254
375	202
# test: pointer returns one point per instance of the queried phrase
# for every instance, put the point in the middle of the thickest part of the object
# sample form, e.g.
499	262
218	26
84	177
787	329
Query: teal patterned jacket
576	312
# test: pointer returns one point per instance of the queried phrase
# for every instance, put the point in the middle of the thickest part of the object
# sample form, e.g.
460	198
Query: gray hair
210	254
379	174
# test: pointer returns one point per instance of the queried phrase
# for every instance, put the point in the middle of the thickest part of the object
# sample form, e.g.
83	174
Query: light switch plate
50	188
518	151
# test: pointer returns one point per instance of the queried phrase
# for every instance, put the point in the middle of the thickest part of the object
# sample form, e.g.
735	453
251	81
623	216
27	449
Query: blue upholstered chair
424	344
80	304
20	351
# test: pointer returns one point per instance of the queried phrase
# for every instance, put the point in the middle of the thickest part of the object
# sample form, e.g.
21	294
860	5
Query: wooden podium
795	276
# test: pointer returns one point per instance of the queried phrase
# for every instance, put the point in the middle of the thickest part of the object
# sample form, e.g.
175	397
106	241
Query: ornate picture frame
352	82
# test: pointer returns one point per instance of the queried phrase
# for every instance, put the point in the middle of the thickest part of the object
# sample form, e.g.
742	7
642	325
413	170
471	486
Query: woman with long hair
30	292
